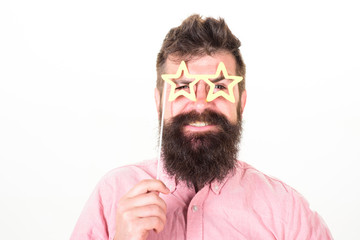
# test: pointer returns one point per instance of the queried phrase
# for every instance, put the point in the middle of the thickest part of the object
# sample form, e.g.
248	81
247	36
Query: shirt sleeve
92	222
303	223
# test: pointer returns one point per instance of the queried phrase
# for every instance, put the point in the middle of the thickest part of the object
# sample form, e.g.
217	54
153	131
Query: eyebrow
218	79
188	81
183	81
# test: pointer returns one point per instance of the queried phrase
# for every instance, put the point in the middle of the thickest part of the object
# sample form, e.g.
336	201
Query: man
198	190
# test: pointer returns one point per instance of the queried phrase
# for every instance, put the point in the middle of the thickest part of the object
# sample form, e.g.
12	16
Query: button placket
195	227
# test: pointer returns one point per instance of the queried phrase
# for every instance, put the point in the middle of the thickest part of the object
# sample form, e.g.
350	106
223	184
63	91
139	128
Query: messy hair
198	37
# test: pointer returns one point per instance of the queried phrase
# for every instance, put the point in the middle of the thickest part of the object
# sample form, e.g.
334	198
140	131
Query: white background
76	100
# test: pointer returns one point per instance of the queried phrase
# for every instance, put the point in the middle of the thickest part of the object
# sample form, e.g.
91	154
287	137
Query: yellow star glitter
168	78
230	97
211	95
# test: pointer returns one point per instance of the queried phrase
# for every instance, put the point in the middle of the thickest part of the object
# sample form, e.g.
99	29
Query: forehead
206	64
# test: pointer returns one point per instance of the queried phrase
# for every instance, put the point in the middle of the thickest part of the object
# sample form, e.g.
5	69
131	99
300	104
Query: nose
201	95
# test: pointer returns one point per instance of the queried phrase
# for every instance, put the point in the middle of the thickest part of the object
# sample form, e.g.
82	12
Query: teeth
199	124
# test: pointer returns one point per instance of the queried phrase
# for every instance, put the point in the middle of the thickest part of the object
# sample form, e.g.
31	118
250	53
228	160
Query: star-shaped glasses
177	91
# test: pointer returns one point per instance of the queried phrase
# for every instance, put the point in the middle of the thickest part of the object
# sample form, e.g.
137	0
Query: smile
198	124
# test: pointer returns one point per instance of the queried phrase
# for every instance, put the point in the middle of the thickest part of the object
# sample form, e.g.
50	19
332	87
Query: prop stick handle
161	131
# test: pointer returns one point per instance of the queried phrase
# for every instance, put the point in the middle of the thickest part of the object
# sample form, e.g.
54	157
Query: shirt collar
217	185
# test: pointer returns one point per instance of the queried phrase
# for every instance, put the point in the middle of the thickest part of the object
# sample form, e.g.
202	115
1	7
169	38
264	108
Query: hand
141	210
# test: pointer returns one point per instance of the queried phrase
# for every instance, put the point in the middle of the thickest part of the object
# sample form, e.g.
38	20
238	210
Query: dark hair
197	37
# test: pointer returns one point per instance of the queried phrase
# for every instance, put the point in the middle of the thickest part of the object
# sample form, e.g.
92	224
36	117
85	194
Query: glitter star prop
230	97
168	78
211	95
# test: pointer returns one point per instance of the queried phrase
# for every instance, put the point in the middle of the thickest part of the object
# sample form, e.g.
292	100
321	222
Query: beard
202	157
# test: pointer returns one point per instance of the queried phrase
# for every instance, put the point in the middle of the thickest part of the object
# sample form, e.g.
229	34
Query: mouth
199	126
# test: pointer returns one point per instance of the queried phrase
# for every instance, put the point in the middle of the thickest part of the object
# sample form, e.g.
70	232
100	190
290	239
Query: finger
145	212
145	199
148	185
151	223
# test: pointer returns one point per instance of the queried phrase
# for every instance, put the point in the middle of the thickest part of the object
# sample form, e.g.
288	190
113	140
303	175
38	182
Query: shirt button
216	187
195	208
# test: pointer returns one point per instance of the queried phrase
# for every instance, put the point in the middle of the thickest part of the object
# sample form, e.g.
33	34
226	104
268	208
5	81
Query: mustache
207	116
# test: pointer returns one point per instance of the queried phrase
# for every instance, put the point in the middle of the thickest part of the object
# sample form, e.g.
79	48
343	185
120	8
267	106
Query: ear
243	100
157	100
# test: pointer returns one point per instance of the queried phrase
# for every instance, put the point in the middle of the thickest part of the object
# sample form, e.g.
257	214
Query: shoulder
118	181
265	194
269	196
147	167
253	178
266	188
130	174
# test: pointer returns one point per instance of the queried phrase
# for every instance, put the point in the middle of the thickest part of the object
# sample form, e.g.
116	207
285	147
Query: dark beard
199	158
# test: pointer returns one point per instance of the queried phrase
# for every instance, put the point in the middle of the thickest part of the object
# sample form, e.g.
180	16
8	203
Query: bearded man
197	189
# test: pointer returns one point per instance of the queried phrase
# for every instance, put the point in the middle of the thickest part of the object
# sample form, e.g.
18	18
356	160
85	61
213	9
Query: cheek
227	108
179	105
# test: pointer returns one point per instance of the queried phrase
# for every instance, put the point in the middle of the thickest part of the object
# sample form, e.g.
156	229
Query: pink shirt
246	205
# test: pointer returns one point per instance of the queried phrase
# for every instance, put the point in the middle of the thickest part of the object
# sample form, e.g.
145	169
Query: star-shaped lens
221	73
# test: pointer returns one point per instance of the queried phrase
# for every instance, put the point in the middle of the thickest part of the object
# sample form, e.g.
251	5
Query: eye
221	87
182	87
